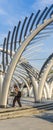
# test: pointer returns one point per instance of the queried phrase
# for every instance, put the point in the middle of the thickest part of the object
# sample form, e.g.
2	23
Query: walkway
35	122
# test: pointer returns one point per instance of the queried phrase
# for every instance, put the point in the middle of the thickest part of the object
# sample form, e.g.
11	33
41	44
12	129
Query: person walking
17	96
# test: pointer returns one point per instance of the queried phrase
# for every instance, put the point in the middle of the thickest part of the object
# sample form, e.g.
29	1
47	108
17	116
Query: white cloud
2	11
46	1
2	36
40	4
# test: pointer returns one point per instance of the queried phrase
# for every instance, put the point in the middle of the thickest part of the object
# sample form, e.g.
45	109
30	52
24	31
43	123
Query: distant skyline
11	11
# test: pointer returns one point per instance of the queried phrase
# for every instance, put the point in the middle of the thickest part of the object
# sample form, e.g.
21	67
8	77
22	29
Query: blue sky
11	11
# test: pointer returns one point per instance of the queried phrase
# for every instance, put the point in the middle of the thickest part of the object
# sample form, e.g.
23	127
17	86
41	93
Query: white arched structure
15	60
43	79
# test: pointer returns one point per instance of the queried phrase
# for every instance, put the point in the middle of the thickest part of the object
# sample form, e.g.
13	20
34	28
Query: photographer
17	96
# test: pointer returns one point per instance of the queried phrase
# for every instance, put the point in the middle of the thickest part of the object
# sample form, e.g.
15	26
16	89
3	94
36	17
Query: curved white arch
47	89
51	89
36	87
23	79
45	93
43	79
15	60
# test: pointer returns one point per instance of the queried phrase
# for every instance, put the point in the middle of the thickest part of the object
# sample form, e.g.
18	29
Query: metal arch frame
51	89
31	27
7	43
15	60
30	18
1	50
12	38
17	68
30	71
22	74
15	31
41	15
3	54
35	83
36	87
18	26
21	32
51	13
45	64
23	79
16	81
27	68
41	74
50	78
43	79
48	12
32	78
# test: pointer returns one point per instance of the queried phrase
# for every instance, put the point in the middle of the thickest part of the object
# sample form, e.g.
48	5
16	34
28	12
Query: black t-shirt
19	94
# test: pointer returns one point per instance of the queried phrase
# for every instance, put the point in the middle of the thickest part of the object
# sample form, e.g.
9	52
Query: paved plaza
36	122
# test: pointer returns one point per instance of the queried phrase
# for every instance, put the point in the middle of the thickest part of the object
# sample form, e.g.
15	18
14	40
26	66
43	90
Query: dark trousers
18	100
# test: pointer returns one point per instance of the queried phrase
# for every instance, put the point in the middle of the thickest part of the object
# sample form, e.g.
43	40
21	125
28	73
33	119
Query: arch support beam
35	88
43	79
